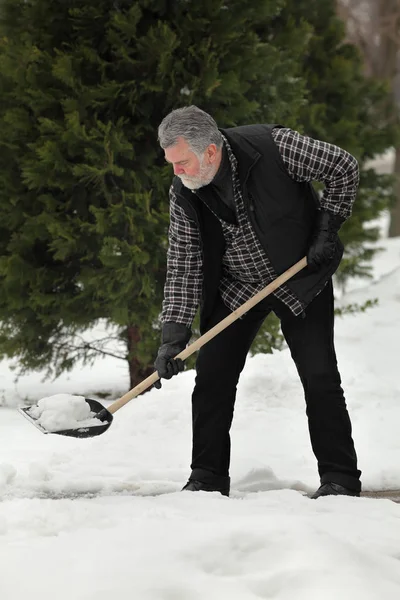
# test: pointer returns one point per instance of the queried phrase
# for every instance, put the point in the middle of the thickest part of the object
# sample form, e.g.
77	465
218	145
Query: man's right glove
175	337
325	235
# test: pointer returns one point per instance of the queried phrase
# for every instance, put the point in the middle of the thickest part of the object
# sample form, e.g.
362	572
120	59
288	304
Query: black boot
204	481
333	489
199	486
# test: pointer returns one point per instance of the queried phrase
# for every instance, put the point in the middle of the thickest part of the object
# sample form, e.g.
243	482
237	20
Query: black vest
281	211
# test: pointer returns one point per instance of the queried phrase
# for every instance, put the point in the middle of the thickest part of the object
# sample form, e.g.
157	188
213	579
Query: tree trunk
394	228
388	47
388	62
374	26
137	372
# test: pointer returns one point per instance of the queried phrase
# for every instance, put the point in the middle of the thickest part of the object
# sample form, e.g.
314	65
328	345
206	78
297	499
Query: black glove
175	337
323	245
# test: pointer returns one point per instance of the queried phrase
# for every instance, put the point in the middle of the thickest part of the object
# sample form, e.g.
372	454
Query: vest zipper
251	203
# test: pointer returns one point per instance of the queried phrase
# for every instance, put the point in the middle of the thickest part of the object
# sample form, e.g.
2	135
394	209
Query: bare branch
85	347
374	26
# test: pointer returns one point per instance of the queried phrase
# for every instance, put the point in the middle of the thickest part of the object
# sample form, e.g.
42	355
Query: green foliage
83	183
345	108
269	337
354	308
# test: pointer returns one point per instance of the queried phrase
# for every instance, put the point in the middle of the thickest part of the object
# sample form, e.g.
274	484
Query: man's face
193	172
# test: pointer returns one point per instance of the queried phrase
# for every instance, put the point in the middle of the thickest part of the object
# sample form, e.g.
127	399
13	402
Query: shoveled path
393	495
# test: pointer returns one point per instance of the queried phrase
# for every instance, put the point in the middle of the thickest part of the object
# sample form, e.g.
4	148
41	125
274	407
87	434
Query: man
242	211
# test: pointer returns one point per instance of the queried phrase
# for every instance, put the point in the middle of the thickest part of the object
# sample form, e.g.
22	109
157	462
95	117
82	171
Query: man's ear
211	153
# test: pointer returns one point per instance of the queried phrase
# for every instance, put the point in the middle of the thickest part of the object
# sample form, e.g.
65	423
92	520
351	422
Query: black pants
310	340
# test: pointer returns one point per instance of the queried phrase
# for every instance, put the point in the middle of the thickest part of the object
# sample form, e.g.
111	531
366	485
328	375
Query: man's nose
178	170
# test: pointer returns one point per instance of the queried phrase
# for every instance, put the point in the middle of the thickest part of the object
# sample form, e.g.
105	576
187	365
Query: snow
63	411
383	163
87	519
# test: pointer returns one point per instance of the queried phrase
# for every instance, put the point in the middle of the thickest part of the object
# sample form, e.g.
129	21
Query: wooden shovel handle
209	335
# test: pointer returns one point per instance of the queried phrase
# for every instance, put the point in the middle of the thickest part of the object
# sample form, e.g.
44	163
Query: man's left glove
175	337
323	245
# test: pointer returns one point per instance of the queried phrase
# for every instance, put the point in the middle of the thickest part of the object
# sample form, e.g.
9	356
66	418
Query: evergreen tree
348	109
83	186
340	105
83	183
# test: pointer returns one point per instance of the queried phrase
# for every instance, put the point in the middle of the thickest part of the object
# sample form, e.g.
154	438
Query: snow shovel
105	415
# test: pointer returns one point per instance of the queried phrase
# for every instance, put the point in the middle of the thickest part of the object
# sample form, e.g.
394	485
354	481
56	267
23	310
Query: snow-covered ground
104	518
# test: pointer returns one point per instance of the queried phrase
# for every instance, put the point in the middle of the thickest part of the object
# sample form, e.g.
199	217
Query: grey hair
196	126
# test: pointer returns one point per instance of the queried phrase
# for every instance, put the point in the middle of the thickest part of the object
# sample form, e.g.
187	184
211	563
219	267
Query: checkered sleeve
184	267
307	159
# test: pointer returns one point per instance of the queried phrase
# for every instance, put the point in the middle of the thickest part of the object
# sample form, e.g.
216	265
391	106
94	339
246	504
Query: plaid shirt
246	268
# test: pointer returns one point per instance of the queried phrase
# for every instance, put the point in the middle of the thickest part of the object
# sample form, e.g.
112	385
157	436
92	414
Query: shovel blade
100	412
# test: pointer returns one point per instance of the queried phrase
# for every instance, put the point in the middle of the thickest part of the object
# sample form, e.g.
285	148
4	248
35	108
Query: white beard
206	175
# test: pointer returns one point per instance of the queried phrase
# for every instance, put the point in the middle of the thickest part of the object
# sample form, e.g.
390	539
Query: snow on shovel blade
101	413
